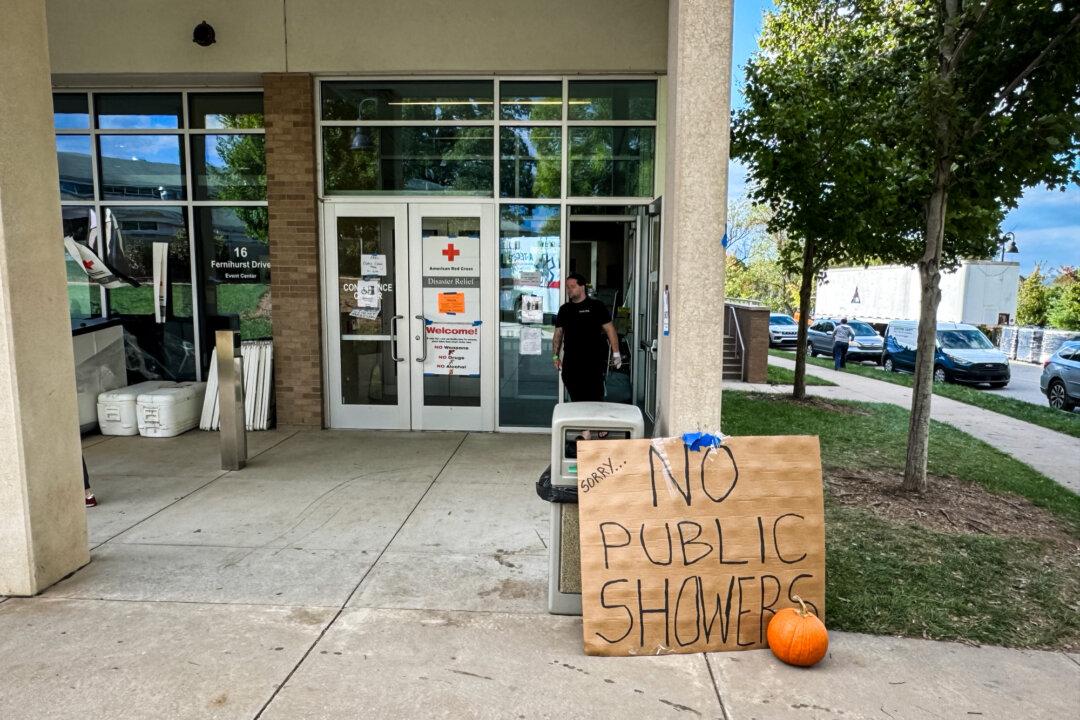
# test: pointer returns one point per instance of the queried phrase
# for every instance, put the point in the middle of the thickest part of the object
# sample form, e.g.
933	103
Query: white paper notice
532	309
530	341
453	349
372	265
368	294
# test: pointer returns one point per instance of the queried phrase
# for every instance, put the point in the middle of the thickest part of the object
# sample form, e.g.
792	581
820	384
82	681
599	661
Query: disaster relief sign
686	551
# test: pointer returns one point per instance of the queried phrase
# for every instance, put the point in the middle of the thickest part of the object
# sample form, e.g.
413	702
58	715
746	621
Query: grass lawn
893	575
1044	416
782	376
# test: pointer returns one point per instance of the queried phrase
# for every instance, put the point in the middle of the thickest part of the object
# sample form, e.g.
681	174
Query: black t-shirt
584	340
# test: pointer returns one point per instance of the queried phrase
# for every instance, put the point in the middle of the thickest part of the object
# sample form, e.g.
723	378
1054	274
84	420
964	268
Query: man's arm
556	346
613	341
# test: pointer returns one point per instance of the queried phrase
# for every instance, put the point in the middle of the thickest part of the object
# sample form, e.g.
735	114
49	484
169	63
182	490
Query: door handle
423	329
393	338
652	349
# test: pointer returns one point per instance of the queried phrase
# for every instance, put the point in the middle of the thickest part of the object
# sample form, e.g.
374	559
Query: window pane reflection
612	161
144	111
530	100
226	111
408	160
236	266
529	287
411	100
84	298
165	349
229	167
530	162
74	162
612	100
141	167
70	111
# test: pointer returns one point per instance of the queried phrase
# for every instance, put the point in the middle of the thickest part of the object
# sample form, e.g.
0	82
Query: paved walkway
1054	454
404	575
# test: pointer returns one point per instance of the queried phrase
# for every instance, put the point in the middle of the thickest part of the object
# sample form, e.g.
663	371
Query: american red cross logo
451	252
88	264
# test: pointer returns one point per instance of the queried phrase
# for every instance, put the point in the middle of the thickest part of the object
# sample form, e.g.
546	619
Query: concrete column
292	197
695	212
42	518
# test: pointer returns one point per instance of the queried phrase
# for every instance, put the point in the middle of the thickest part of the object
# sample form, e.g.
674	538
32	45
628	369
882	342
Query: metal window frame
564	201
187	205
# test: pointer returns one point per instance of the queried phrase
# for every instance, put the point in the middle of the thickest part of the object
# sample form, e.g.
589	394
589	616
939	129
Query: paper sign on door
452	303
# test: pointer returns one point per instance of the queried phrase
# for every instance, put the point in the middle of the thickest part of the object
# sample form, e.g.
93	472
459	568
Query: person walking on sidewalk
841	337
583	332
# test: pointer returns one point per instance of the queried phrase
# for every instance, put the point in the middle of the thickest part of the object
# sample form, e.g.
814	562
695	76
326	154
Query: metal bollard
230	370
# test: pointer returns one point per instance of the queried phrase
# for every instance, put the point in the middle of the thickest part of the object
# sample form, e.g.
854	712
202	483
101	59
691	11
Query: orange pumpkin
798	637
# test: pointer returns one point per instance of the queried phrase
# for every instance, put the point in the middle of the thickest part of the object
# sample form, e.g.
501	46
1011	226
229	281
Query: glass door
366	303
649	268
452	258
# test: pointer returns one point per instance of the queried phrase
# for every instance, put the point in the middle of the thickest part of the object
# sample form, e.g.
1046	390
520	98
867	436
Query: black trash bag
560	494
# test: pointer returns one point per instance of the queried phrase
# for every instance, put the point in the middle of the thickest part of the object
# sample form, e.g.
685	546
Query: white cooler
170	411
116	408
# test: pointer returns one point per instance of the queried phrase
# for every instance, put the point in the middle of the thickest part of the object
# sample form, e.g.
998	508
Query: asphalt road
1024	383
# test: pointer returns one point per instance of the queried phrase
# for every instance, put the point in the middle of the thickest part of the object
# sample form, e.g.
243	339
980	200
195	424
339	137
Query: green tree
986	99
806	136
1064	310
1033	299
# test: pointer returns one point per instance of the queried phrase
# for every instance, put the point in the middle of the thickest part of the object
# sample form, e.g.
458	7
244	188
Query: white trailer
977	293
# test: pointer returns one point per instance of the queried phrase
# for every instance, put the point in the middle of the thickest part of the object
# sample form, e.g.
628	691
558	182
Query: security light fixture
204	35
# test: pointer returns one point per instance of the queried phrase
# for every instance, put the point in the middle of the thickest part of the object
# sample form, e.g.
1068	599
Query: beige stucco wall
345	36
42	519
689	377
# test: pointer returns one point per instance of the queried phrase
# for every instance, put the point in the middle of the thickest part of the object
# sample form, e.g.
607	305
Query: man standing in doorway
584	332
841	338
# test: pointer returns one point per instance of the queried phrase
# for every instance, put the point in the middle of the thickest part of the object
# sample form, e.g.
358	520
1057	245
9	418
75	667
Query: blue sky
1046	223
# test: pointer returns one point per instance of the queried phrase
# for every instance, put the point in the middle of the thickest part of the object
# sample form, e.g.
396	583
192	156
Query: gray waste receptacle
571	423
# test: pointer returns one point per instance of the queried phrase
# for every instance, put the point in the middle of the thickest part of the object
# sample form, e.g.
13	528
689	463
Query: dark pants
85	477
585	383
839	355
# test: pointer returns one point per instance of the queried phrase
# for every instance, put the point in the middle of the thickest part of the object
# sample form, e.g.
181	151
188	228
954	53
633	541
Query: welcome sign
686	551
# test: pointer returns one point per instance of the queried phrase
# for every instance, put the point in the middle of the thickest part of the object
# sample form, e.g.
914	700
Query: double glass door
410	315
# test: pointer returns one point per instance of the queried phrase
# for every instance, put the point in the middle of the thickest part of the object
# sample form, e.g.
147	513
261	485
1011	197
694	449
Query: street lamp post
1008	245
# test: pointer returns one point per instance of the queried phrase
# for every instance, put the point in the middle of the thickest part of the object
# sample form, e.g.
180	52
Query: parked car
866	345
1060	381
963	355
783	330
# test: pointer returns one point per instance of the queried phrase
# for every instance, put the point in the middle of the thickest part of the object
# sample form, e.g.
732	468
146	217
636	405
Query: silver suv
1060	381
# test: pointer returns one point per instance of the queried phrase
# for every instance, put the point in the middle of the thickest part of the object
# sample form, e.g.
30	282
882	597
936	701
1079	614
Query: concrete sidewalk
403	575
1054	454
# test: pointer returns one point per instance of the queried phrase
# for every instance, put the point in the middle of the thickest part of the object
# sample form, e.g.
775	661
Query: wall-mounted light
204	35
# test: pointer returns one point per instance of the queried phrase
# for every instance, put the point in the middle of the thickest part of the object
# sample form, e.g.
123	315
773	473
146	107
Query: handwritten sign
687	551
451	303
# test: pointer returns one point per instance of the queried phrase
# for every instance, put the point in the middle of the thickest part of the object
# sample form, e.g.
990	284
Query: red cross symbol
451	252
88	264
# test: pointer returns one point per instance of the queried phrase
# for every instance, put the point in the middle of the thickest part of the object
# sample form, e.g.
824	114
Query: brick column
292	196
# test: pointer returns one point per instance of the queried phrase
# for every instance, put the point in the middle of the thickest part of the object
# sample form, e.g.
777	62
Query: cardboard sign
451	303
687	551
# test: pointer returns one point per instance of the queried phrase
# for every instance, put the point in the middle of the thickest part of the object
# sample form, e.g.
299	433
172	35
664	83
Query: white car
783	331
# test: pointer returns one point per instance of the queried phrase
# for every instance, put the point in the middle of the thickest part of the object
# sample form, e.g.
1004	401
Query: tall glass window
127	193
530	278
530	162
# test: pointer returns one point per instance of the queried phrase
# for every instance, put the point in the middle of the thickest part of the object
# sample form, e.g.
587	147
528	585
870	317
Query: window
530	249
530	162
124	184
612	100
450	100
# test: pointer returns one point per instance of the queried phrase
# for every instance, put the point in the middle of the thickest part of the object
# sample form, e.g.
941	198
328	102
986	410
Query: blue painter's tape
698	440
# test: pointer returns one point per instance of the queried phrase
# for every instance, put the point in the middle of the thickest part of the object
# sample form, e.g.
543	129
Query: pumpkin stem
799	600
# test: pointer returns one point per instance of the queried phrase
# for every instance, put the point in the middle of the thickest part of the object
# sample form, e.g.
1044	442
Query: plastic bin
572	423
170	411
116	411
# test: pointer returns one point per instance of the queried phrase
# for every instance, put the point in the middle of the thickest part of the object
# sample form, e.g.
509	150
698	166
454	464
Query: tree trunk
804	319
930	263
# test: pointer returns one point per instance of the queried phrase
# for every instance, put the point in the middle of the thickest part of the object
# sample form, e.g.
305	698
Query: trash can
572	423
